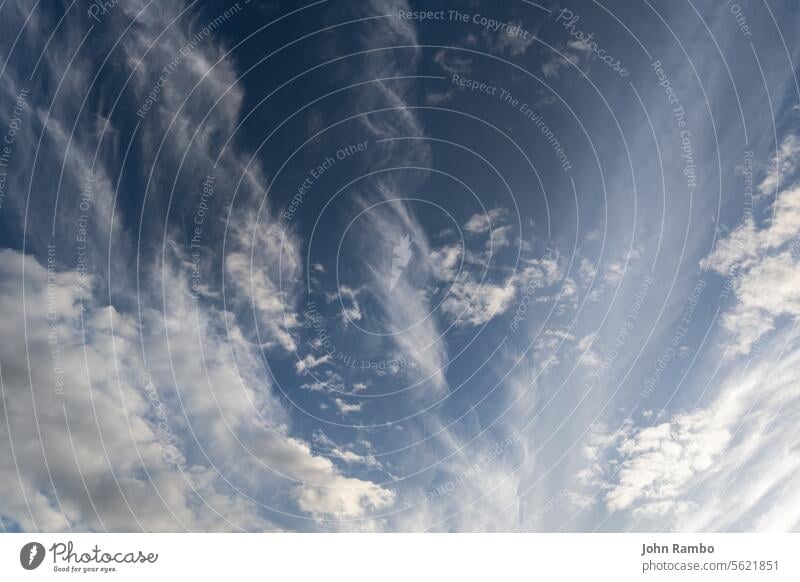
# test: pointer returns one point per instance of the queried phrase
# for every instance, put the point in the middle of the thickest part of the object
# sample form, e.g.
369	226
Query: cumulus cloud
347	407
106	386
256	269
761	264
482	222
784	164
89	446
472	302
351	311
324	502
310	362
728	465
444	261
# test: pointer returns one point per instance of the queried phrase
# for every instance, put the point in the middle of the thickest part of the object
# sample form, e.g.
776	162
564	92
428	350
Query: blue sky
397	266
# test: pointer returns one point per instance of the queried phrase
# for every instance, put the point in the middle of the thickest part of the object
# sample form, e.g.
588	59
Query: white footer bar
401	557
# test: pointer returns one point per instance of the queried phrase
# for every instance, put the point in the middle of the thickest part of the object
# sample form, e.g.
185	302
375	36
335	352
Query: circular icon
31	555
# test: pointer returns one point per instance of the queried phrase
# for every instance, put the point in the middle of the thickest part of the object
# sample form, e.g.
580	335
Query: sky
399	266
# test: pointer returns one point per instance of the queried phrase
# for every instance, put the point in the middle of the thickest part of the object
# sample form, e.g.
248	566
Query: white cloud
515	44
764	272
94	454
472	302
589	357
241	422
587	270
481	222
351	499
353	312
452	62
310	362
257	278
438	98
261	250
444	262
383	64
404	303
327	381
348	455
501	237
552	67
782	165
346	407
109	470
745	244
764	295
728	465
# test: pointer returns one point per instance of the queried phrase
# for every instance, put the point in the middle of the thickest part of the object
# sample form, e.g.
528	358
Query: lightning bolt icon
402	255
32	554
